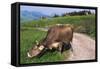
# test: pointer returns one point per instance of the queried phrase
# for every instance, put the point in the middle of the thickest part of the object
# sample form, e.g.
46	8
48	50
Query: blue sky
51	10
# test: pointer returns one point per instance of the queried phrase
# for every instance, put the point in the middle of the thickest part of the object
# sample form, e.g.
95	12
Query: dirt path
83	47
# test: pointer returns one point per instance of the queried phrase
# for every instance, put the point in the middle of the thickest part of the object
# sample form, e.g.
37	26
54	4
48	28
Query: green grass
29	34
28	38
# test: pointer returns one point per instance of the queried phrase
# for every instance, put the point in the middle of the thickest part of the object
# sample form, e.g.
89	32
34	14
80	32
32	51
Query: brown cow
56	36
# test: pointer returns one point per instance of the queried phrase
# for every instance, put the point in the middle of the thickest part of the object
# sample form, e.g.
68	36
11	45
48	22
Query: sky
51	10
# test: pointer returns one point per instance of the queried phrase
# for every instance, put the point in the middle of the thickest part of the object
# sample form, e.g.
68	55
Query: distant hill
31	15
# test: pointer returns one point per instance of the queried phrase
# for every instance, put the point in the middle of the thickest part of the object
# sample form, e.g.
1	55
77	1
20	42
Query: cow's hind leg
66	46
71	47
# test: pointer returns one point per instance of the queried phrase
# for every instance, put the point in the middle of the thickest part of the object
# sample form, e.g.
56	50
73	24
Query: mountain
31	15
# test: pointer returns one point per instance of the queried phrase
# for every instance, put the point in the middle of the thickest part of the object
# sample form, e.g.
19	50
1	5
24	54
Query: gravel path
83	47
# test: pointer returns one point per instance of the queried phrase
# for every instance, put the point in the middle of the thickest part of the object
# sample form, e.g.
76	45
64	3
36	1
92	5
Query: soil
83	47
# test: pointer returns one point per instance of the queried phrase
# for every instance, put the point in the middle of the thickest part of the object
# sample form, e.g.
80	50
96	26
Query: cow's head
35	50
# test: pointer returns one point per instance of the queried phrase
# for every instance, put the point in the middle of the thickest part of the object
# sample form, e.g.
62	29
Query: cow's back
65	33
59	33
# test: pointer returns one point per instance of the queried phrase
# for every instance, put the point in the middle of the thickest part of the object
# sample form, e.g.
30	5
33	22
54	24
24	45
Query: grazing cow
58	37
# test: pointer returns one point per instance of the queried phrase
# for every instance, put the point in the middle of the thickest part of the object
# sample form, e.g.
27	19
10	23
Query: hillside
82	24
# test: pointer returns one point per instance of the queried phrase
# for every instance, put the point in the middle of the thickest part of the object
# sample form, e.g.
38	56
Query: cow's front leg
60	46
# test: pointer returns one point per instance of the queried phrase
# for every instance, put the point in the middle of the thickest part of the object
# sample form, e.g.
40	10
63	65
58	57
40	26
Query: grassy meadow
29	34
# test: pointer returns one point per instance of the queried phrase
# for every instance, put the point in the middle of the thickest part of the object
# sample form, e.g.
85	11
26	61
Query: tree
56	15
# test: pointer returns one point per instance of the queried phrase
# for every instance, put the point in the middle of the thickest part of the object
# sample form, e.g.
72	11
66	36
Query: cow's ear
41	47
